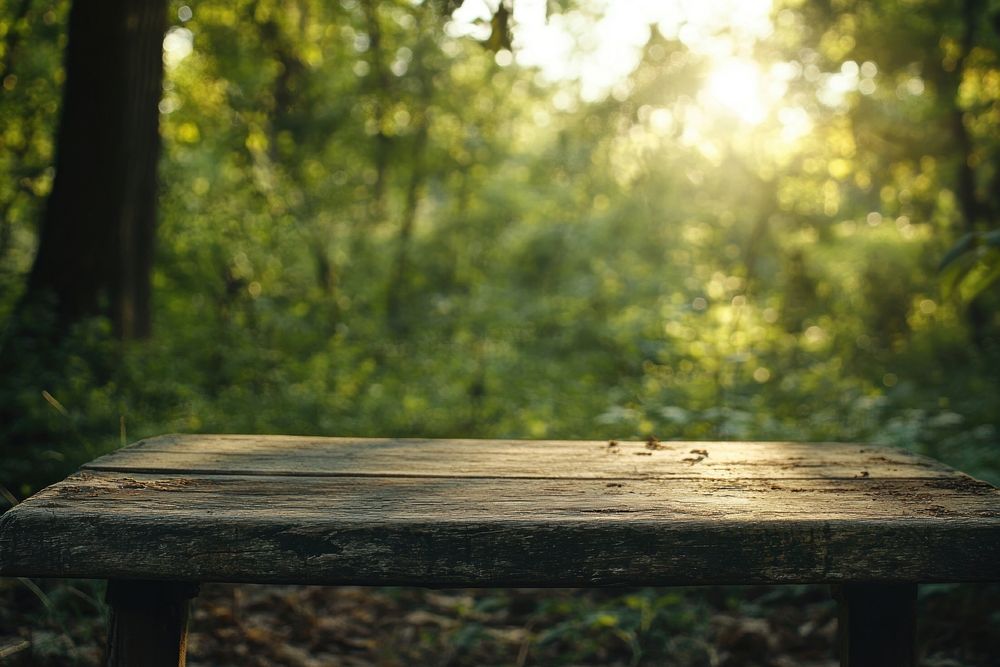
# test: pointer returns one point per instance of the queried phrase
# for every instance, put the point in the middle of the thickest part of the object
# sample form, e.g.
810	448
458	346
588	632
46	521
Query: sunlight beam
737	87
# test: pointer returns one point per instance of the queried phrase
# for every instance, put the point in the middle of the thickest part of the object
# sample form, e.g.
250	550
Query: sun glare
599	44
738	87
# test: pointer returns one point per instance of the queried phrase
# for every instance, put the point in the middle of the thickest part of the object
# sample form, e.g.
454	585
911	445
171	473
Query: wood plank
305	456
486	532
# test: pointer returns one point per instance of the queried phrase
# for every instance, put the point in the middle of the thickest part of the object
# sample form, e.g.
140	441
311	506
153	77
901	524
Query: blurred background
536	219
574	220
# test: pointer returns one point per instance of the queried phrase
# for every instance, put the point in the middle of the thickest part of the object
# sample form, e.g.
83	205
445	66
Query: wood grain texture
542	459
505	531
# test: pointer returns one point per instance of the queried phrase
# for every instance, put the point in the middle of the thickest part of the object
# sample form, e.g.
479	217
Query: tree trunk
418	175
380	91
397	283
969	204
95	248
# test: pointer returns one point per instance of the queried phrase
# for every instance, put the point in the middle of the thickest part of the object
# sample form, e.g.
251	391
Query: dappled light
699	219
177	45
603	220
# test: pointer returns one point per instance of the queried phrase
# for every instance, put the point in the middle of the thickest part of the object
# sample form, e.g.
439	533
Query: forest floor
62	623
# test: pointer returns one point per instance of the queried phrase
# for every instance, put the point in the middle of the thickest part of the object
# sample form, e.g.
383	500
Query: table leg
878	624
148	624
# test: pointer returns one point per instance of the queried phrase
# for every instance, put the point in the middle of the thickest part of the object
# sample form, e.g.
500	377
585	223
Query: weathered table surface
506	512
166	513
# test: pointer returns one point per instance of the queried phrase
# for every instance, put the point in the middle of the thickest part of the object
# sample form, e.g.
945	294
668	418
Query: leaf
51	400
991	239
964	244
953	275
500	34
448	7
967	273
556	7
983	274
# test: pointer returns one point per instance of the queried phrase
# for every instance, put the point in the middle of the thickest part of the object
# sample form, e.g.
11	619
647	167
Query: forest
572	219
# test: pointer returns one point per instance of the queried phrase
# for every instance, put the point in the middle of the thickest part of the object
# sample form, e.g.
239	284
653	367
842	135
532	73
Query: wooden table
166	513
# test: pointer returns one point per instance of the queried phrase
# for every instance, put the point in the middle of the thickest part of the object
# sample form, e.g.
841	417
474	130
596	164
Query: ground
62	623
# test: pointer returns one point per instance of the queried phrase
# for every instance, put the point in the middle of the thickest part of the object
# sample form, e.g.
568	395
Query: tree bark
418	176
95	248
969	205
380	90
397	283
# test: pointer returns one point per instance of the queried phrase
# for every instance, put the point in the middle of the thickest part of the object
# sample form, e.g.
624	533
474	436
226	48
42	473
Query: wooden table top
274	509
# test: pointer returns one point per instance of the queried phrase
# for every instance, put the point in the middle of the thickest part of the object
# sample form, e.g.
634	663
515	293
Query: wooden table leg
878	624
148	623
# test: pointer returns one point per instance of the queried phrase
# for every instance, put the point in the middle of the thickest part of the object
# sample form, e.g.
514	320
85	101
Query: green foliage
31	41
653	625
68	620
972	265
368	226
